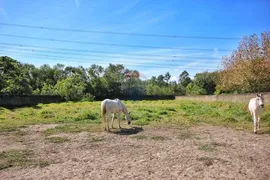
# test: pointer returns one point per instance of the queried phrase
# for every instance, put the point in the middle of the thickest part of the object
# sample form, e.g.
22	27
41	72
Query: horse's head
260	100
127	117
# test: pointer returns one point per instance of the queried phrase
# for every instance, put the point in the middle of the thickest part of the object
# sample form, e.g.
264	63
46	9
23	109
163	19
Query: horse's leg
259	119
118	116
104	121
255	124
112	120
108	121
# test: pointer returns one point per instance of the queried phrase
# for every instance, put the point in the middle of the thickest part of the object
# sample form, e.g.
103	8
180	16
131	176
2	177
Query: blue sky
171	17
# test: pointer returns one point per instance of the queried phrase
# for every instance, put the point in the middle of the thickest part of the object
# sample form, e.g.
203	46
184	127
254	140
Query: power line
120	33
119	56
134	65
44	56
100	56
108	44
79	60
93	51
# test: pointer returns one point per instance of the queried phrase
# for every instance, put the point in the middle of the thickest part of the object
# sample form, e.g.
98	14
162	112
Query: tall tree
167	77
14	77
184	78
160	80
71	88
132	84
207	81
248	68
98	82
114	75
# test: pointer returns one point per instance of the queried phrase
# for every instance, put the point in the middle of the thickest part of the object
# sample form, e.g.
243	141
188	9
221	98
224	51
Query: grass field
85	116
167	140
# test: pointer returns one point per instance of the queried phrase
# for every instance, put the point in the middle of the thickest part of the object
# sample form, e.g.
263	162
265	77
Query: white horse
255	107
108	107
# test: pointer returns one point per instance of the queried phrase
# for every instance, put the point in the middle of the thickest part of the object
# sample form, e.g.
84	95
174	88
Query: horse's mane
123	106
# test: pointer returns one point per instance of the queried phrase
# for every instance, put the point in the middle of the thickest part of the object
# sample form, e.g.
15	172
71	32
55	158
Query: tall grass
84	115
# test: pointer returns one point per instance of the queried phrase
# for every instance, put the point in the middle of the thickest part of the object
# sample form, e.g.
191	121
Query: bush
71	88
195	90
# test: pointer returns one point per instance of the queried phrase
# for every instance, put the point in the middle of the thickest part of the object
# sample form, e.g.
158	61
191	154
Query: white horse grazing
255	107
108	107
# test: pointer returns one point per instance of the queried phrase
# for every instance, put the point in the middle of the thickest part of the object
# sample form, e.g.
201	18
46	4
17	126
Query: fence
169	97
11	101
242	98
27	100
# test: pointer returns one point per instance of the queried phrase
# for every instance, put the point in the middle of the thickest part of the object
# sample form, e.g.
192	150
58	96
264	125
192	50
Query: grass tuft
208	161
207	147
97	139
20	158
158	138
57	139
139	137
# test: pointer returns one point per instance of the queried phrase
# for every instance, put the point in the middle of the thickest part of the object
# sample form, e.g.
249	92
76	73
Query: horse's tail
103	111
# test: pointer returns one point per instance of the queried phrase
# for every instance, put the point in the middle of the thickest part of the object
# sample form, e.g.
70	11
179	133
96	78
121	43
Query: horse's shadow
128	131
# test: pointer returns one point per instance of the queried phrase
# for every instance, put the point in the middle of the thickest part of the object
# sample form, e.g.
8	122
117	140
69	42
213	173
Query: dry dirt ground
201	152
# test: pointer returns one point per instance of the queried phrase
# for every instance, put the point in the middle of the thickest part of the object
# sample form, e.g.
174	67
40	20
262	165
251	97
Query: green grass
21	158
139	137
85	116
96	139
14	158
57	139
73	128
185	134
19	133
208	161
207	147
158	138
211	146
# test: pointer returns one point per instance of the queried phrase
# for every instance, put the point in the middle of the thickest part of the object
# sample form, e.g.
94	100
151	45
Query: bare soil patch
201	152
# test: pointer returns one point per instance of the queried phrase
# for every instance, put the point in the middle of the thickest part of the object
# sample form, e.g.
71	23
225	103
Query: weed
97	139
57	139
19	133
73	128
139	137
163	113
208	161
185	135
207	147
15	158
158	138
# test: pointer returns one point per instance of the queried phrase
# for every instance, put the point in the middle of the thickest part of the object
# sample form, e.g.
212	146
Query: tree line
247	69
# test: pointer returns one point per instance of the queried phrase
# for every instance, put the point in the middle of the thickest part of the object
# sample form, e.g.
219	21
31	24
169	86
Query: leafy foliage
71	88
248	68
193	89
184	78
206	82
